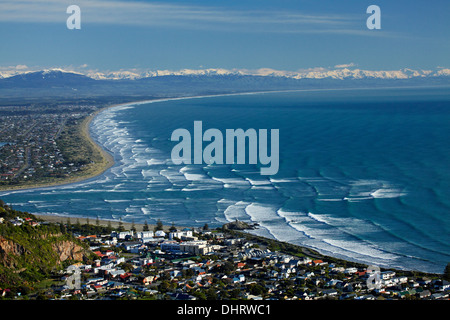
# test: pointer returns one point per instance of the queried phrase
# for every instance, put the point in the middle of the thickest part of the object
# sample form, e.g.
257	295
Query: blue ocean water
364	174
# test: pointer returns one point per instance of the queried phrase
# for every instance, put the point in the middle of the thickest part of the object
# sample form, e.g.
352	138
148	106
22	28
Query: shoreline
108	158
105	155
114	223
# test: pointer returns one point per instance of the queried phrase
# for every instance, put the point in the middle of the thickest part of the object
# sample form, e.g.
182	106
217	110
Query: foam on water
342	202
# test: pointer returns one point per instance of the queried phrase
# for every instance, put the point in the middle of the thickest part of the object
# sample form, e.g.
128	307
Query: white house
132	244
351	270
387	275
144	234
122	235
115	273
160	233
181	234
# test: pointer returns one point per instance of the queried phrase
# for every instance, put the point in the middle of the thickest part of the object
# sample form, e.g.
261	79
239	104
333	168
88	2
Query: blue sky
278	34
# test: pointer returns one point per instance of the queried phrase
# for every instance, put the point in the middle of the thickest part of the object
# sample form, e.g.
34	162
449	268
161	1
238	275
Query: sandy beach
101	222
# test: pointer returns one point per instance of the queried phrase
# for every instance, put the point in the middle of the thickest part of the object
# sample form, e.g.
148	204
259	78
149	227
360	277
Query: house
240	265
330	292
131	244
438	296
144	234
442	285
99	254
181	234
122	235
195	247
175	273
170	245
424	294
233	241
334	282
387	275
400	279
160	234
115	273
143	261
319	263
351	270
148	280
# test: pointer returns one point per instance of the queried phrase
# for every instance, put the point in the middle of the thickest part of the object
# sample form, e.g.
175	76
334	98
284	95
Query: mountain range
341	72
94	87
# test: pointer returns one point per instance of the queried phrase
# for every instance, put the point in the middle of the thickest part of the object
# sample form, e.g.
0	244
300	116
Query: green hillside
31	250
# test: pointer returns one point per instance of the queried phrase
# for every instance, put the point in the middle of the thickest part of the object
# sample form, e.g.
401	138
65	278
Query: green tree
121	227
159	225
211	294
145	227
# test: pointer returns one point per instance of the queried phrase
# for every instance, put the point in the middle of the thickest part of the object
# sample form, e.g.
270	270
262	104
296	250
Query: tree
447	272
62	228
109	226
205	227
145	227
133	227
211	294
173	228
120	228
159	225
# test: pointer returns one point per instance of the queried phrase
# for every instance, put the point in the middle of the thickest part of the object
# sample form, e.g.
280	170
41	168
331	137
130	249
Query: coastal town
36	143
220	264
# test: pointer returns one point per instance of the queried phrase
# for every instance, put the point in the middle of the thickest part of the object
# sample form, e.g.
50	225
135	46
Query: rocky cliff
68	250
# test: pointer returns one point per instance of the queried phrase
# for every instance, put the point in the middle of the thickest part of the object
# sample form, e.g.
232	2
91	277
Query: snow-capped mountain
314	73
123	85
318	73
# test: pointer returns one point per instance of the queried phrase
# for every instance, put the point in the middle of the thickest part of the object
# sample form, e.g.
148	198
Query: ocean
364	174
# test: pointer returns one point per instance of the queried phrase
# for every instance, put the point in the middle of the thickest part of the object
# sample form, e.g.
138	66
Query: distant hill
46	79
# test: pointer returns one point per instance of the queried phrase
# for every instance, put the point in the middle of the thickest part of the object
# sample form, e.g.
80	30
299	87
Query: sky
199	34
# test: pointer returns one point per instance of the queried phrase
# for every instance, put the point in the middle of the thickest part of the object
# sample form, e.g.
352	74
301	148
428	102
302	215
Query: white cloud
21	67
349	65
134	13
